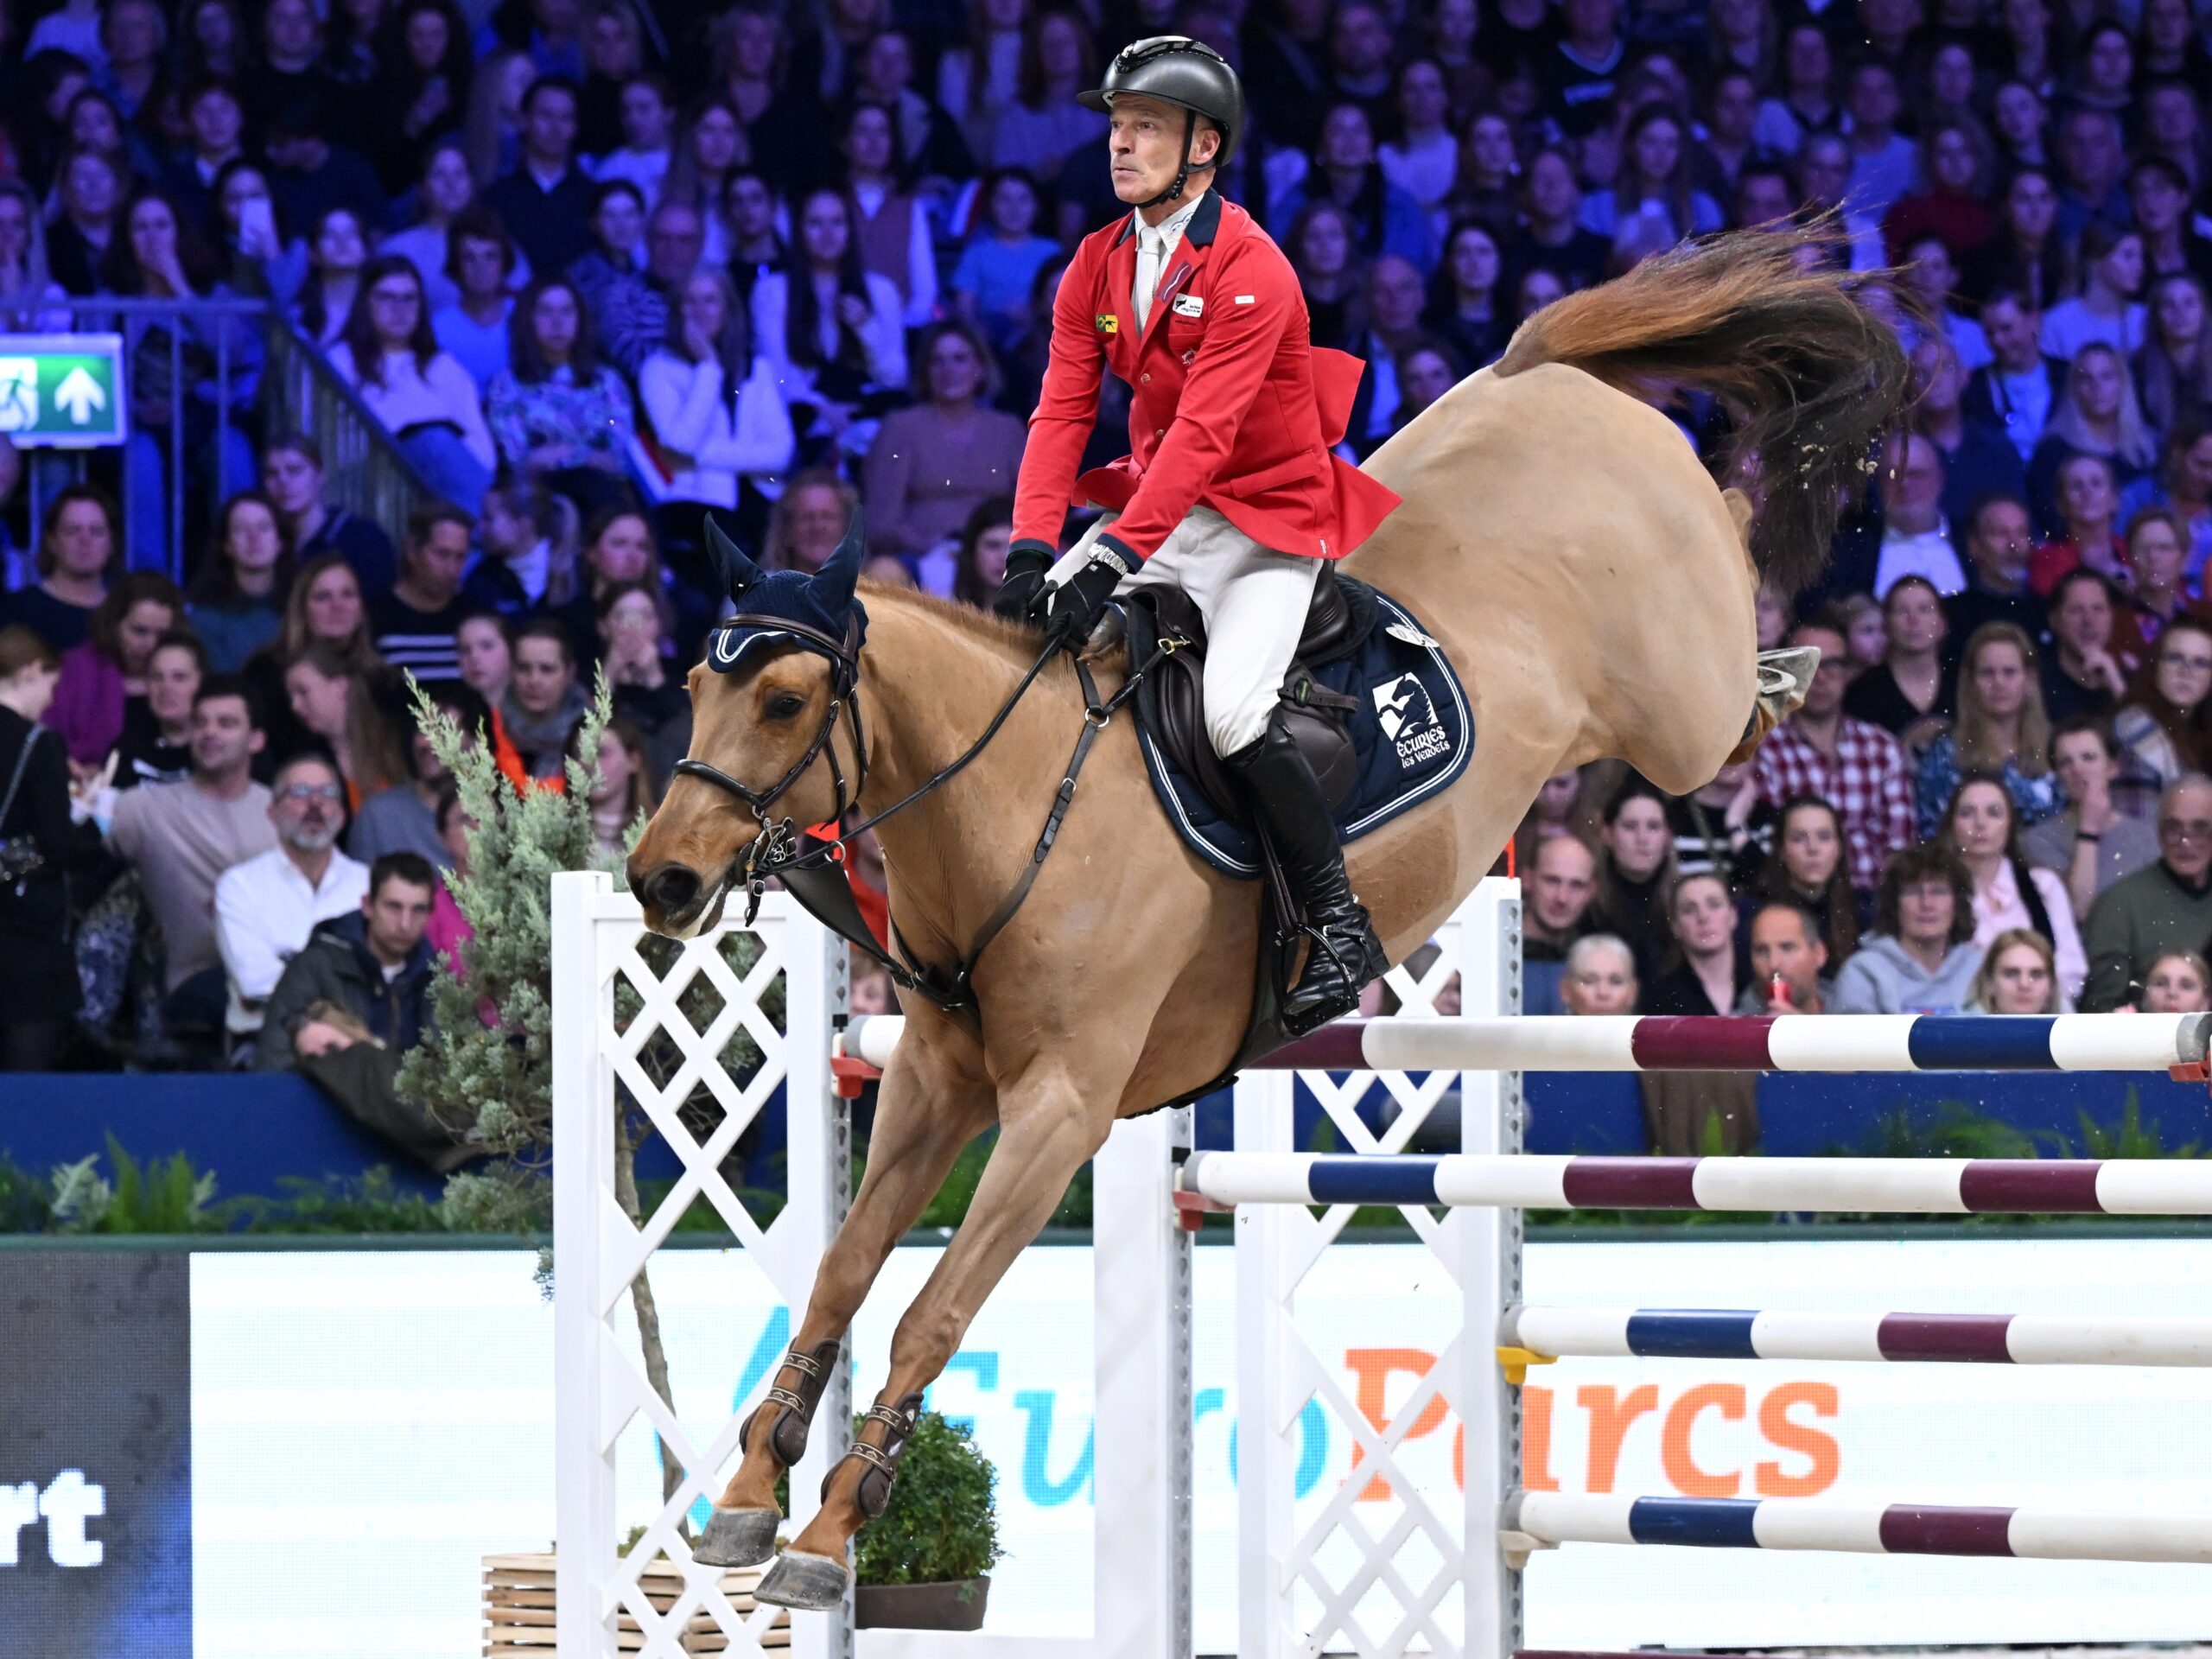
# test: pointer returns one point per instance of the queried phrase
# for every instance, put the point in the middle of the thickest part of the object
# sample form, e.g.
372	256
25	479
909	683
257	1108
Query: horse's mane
1015	639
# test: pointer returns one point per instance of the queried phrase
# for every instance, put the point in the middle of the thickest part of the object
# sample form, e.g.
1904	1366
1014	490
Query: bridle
812	874
776	847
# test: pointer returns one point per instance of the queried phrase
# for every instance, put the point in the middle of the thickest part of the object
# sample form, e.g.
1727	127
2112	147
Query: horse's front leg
929	1106
1048	1127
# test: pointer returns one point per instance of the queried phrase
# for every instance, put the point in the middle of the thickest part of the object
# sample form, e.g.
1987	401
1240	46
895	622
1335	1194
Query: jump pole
1790	1042
1545	1520
1546	1334
1850	1186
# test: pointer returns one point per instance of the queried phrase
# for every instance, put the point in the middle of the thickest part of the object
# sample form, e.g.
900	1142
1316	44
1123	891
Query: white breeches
1254	600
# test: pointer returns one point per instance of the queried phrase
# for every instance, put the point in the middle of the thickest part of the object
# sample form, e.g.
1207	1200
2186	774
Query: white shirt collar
1168	232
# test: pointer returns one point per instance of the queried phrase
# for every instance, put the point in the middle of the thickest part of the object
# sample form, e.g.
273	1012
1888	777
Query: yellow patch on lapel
1106	323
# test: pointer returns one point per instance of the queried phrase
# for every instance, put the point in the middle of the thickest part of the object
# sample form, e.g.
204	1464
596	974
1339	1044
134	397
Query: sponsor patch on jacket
1106	323
1188	305
1247	299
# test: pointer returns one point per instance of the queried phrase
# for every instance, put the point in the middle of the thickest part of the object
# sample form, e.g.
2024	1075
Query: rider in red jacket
1232	491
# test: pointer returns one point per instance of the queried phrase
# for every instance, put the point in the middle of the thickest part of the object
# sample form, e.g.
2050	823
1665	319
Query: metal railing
224	372
364	470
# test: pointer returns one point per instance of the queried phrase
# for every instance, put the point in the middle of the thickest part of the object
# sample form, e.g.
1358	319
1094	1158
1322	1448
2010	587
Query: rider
1232	494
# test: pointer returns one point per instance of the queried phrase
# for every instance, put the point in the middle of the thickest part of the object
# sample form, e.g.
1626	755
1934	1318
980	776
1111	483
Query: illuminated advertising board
95	1456
366	1427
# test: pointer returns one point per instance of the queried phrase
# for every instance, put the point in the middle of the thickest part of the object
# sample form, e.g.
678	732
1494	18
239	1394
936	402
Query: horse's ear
732	569
833	584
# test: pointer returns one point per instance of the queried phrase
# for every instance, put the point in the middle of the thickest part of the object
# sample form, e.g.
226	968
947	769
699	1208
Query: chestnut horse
1591	584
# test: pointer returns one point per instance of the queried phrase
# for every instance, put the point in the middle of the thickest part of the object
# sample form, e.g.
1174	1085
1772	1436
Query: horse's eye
783	706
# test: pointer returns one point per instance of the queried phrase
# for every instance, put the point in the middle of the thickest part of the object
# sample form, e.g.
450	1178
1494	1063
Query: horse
1590	582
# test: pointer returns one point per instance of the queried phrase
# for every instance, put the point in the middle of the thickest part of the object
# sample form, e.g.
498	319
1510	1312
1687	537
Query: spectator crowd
601	267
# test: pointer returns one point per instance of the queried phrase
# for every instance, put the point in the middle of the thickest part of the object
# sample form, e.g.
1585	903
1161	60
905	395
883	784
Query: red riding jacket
1234	407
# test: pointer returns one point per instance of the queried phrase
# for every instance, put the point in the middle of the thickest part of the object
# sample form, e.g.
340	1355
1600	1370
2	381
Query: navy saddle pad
1412	735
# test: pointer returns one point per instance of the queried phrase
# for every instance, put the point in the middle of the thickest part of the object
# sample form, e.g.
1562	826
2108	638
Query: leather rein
814	875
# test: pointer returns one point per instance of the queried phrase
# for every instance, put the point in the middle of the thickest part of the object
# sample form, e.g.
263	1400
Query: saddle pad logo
1408	719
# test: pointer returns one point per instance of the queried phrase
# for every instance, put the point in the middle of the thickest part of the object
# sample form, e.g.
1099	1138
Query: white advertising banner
367	1426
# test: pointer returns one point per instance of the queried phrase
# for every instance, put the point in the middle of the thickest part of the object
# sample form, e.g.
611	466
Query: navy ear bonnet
823	615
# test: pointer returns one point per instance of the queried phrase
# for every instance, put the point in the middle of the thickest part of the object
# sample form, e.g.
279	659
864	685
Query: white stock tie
1152	254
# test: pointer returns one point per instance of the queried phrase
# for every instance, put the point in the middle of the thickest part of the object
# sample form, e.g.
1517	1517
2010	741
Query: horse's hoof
806	1584
737	1538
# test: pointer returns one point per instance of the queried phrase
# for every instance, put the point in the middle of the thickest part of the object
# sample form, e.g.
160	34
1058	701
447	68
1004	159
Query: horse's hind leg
1048	1129
927	1109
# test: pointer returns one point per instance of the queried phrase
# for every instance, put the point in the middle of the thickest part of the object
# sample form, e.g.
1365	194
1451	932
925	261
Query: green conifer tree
485	1068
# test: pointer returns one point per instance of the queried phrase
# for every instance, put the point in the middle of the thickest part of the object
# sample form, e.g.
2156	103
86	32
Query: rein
815	876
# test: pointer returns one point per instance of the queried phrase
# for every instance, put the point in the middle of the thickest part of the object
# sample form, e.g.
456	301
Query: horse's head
774	733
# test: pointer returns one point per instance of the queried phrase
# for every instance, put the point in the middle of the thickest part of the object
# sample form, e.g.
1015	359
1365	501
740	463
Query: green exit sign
61	391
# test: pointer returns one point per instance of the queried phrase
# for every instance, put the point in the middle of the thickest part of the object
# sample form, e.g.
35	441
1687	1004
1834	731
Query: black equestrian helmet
1177	70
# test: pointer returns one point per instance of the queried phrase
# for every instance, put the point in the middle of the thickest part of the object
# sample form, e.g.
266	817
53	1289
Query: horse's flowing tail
1811	373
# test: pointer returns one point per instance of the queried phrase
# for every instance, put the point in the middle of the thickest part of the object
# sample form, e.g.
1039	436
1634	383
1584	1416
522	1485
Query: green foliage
1713	1140
24	1206
170	1196
949	1208
487	1067
369	1203
942	1525
2131	1138
160	1196
763	1204
1952	1129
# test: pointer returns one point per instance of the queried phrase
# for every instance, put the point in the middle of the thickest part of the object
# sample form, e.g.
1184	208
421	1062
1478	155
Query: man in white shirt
266	907
1916	541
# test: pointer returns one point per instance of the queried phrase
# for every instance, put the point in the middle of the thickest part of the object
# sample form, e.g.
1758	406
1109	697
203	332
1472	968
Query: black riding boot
1344	953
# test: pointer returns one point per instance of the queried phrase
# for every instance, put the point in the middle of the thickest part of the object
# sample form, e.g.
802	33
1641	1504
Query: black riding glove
1070	610
1027	561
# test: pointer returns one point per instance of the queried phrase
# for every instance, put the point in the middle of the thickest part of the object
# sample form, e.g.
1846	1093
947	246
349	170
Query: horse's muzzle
679	901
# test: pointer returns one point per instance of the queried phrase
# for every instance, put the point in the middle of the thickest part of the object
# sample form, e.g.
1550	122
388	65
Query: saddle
1171	700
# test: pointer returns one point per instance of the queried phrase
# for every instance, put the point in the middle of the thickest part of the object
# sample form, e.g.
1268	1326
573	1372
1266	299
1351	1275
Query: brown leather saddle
1172	700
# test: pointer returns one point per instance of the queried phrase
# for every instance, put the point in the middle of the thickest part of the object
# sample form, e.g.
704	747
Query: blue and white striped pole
1551	1518
1985	1339
1842	1043
1851	1186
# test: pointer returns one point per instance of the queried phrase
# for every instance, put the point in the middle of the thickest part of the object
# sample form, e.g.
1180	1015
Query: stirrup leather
873	1494
795	1407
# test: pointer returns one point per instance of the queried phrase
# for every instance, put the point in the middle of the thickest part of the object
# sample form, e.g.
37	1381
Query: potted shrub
924	1564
